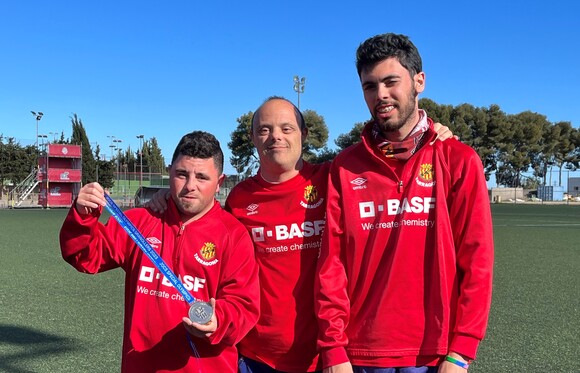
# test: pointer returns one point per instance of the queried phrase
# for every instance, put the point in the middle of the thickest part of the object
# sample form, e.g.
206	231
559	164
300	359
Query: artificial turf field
54	319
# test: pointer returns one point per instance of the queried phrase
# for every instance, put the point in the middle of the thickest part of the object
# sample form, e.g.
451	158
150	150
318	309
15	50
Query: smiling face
278	138
391	96
193	185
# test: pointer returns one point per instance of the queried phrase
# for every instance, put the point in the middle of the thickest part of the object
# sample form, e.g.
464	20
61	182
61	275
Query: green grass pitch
54	319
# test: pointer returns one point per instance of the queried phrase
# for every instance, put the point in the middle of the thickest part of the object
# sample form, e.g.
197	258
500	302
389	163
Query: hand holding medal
202	321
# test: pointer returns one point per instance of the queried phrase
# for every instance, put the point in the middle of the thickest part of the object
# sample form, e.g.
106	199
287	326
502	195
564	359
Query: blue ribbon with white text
146	248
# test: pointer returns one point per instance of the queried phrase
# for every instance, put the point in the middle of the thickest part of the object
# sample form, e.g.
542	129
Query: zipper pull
400	188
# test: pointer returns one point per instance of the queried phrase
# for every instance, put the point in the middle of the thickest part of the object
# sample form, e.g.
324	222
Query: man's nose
276	133
191	184
383	93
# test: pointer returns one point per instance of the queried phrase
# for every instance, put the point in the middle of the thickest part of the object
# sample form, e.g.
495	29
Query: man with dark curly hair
205	246
404	276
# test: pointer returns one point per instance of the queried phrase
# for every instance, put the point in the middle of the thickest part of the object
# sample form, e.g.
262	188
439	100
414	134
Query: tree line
511	146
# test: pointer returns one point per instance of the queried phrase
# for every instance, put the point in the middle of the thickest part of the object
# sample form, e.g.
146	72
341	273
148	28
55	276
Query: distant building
551	193
498	195
574	186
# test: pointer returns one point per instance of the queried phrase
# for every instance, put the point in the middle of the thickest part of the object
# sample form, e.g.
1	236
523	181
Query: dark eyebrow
390	77
366	83
196	174
382	80
292	124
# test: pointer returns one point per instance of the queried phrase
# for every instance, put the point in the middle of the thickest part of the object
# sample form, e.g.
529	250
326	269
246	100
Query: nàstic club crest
206	254
208	251
426	175
311	197
310	193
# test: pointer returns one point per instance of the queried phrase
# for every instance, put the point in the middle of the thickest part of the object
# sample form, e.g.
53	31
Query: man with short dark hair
404	277
206	247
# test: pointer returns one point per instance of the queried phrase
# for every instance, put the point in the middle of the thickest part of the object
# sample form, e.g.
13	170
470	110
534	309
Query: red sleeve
470	215
332	305
238	297
90	246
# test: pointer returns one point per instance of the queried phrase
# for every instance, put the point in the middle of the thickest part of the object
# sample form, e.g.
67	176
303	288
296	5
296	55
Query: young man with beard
283	208
404	277
205	246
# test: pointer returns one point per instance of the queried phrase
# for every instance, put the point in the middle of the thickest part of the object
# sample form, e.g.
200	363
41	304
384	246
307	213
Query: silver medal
200	312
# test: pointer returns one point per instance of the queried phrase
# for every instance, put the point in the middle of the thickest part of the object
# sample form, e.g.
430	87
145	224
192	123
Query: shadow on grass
21	344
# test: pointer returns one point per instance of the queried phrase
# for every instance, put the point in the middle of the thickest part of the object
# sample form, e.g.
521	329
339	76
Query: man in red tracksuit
205	246
405	272
283	208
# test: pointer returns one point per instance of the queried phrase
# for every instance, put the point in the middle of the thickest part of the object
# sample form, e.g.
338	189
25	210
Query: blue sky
163	69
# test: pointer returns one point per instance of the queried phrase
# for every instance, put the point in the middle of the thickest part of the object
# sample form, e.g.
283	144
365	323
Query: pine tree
79	137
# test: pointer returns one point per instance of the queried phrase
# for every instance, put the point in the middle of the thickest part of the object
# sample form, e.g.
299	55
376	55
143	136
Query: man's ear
419	81
221	180
304	134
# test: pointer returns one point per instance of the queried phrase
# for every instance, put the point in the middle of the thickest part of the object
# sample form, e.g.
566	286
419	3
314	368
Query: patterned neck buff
402	150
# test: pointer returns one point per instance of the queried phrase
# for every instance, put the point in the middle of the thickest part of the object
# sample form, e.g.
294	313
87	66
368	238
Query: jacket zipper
177	248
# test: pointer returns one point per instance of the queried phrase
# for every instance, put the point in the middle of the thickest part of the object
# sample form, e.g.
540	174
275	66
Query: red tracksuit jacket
405	272
285	221
213	257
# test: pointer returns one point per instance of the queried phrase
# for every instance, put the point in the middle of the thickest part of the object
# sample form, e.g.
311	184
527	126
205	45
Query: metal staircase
22	190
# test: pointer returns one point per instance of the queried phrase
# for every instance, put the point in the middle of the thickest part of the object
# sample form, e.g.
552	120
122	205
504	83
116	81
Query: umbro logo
252	209
359	183
153	241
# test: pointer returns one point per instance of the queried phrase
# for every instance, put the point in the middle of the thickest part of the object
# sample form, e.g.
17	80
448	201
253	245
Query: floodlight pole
44	138
38	117
112	146
140	137
118	163
299	87
112	149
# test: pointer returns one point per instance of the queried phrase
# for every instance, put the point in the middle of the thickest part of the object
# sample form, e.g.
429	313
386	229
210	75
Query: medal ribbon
138	238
